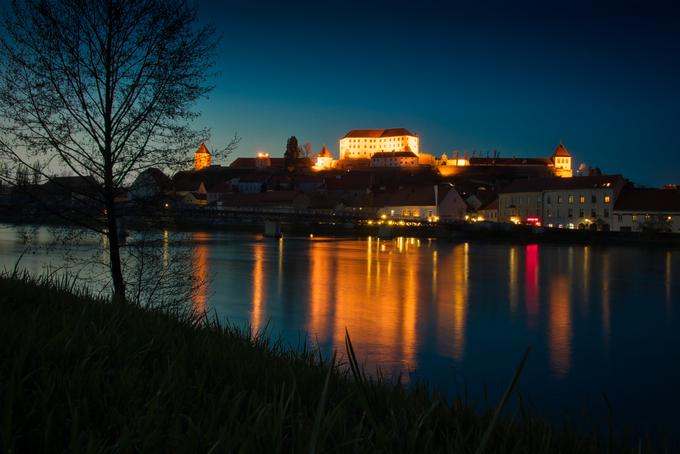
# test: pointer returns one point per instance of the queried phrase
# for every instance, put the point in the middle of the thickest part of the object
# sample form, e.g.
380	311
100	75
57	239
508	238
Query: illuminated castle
201	158
364	143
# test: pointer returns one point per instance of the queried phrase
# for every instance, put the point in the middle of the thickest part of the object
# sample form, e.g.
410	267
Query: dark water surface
598	319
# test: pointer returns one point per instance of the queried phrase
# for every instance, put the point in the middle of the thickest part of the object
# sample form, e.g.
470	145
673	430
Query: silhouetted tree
292	153
103	88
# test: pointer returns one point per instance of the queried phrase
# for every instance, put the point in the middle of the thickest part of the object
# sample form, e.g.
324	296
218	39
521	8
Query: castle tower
324	160
562	161
201	158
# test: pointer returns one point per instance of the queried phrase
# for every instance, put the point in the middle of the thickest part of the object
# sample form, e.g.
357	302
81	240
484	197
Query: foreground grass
83	375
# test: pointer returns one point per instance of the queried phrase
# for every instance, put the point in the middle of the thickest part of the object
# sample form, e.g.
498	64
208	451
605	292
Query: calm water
461	314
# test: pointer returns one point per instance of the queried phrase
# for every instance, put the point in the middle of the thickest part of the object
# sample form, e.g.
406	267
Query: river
458	315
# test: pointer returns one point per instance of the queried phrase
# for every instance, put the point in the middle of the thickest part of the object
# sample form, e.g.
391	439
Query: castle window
607	199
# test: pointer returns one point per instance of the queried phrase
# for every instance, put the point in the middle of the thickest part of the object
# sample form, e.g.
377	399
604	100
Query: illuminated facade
573	203
364	143
559	164
202	158
562	161
324	160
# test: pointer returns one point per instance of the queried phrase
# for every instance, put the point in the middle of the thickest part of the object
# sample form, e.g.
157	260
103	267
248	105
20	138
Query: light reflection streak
531	284
460	298
606	311
259	289
200	270
559	337
668	281
512	279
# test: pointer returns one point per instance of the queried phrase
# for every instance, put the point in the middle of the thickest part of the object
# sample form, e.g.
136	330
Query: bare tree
103	89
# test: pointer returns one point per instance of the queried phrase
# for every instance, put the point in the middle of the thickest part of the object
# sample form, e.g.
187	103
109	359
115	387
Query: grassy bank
83	375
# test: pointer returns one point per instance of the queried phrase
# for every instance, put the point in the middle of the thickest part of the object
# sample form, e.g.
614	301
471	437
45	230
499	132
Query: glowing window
607	199
582	199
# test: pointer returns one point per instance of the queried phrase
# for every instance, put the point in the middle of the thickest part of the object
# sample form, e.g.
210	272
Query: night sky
514	78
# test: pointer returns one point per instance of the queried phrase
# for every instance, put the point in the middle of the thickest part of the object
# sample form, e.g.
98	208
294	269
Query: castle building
202	158
364	143
394	159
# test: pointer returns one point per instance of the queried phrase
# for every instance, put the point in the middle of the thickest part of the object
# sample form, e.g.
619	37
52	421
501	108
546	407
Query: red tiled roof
648	200
261	198
510	162
349	181
251	163
374	133
561	152
202	149
394	154
556	184
412	196
325	153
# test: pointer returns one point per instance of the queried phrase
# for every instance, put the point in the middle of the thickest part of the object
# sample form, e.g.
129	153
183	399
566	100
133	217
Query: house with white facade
422	203
574	203
647	209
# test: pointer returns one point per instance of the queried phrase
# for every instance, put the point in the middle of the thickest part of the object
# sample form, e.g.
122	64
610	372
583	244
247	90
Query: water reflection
559	328
512	279
200	271
259	292
531	284
455	312
667	281
606	316
460	297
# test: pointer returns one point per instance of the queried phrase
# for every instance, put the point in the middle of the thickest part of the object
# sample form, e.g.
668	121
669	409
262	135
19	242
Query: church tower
562	161
201	158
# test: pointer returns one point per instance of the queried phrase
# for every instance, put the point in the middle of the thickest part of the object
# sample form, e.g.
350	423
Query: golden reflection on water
257	316
560	330
460	298
377	301
200	270
512	279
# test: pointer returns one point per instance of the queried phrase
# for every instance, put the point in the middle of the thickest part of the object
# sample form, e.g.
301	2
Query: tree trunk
114	252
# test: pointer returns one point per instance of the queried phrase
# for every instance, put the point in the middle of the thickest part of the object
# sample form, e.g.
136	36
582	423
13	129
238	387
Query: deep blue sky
517	78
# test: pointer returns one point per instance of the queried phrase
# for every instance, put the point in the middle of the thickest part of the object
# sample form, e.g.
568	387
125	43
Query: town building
422	203
578	202
202	158
149	185
647	209
394	159
364	143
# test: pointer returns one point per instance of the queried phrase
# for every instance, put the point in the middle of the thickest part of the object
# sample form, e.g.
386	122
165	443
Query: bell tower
201	158
562	161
